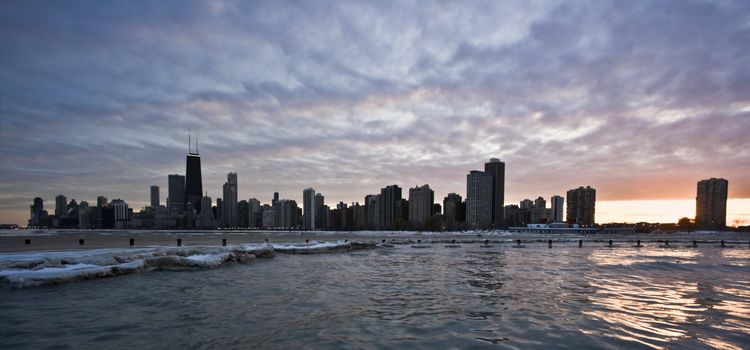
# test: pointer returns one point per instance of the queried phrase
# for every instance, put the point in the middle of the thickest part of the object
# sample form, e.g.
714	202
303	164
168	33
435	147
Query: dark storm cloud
639	99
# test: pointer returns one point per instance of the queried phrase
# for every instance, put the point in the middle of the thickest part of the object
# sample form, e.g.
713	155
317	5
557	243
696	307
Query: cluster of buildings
188	207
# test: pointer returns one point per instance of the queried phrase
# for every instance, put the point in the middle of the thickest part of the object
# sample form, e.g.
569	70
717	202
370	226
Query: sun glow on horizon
666	211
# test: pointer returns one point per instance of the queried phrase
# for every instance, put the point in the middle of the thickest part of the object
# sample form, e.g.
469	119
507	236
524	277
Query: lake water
401	297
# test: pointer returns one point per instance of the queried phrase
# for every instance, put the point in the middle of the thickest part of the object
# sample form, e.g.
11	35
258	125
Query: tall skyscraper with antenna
193	180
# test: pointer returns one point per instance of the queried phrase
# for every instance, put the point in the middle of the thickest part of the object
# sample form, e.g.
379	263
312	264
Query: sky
638	99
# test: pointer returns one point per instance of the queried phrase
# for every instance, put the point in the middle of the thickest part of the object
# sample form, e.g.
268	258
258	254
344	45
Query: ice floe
26	269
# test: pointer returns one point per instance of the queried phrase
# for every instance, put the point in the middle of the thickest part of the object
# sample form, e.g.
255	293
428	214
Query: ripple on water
567	297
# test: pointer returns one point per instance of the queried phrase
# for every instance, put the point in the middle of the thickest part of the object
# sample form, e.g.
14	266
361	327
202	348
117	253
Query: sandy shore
15	241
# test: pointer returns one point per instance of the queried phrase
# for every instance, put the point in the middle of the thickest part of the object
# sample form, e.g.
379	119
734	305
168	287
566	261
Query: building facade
308	207
421	200
193	181
496	168
176	199
229	211
711	204
557	208
479	200
581	206
154	197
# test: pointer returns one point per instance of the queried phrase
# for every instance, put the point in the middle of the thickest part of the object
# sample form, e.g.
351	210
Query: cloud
638	99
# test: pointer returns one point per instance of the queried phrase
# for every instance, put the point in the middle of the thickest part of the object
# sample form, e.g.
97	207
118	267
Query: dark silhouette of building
176	199
61	208
101	201
452	211
320	218
557	208
243	213
479	186
154	197
581	205
372	211
38	216
390	206
421	200
193	181
711	204
496	168
308	206
230	191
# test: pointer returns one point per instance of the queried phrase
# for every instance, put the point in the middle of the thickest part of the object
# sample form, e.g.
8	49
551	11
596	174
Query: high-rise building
372	211
37	217
320	219
287	213
254	213
390	200
421	200
496	168
479	199
243	214
230	211
176	199
101	202
308	206
451	207
206	217
121	213
193	179
557	203
154	197
275	198
61	206
711	204
581	205
557	208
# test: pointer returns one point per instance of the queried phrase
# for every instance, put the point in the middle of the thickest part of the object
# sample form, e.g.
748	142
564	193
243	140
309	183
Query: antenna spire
189	141
196	142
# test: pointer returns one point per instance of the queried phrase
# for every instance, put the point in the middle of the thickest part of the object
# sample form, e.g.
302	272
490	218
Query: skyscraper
61	206
451	208
320	219
557	208
37	213
193	180
372	211
389	201
711	204
581	205
496	168
101	201
176	199
206	217
230	201
255	213
154	197
308	206
421	199
479	199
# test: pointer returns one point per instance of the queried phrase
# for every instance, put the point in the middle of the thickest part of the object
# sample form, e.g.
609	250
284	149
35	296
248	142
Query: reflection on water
470	297
652	298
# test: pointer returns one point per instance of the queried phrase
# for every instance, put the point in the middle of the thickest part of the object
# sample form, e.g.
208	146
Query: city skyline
635	100
579	207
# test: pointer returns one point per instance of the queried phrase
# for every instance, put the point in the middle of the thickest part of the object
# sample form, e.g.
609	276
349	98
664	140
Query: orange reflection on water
629	256
642	309
738	256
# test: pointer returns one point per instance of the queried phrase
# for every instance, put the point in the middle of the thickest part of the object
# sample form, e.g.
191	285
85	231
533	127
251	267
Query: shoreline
70	240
